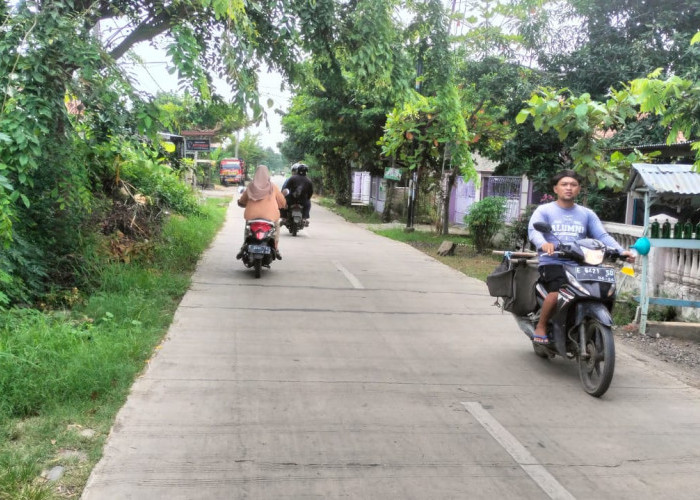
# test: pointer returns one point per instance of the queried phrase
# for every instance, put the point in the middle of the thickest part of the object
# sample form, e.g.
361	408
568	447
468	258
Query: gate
361	188
508	187
462	196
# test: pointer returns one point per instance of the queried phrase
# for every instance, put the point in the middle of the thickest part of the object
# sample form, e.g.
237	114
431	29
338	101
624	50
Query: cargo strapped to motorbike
513	282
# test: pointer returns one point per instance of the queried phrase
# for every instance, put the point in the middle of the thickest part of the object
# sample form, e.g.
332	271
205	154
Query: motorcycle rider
300	190
570	222
283	211
262	199
294	171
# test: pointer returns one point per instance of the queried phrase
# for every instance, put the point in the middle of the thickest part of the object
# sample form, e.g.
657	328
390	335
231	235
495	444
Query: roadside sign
197	144
393	174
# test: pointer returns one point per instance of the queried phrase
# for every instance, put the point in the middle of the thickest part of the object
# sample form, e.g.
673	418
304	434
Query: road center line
351	278
524	458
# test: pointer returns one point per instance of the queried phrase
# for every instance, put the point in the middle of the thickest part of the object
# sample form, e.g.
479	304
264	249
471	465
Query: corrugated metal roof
661	145
671	178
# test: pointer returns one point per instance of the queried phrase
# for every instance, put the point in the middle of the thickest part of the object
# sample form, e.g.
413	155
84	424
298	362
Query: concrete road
360	368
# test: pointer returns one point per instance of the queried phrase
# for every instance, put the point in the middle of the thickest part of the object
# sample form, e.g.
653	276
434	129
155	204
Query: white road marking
524	458
351	278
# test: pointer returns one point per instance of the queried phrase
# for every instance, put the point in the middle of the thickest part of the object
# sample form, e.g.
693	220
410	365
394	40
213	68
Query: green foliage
59	358
351	82
608	44
499	88
485	220
624	310
517	234
189	113
158	183
365	215
512	30
676	101
585	119
419	132
249	150
69	370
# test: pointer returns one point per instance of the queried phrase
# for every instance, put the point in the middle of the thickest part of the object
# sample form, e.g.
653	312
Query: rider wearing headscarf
262	199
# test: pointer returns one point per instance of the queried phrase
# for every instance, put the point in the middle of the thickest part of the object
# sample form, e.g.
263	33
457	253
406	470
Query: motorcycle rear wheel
258	266
540	350
597	368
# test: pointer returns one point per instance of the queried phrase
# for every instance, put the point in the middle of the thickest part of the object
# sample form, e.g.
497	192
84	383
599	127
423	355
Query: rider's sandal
540	339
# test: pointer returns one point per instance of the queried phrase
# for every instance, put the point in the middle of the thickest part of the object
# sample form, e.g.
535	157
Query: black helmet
302	169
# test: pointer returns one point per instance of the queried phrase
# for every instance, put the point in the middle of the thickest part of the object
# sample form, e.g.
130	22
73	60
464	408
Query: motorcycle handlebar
611	253
515	254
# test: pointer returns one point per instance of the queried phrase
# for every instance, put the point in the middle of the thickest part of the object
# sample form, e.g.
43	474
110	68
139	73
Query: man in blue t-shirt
570	222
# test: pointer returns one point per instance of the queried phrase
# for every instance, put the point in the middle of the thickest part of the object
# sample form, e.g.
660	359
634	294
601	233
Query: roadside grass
65	374
355	214
465	258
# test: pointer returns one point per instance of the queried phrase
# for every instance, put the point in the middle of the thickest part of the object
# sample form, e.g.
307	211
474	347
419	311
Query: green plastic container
678	231
655	229
687	230
666	229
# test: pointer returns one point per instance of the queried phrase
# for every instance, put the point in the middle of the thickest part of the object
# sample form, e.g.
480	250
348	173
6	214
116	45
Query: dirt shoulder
676	356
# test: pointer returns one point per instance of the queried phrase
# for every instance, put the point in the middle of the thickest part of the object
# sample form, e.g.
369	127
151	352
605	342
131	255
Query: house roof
201	133
677	149
171	137
664	179
483	164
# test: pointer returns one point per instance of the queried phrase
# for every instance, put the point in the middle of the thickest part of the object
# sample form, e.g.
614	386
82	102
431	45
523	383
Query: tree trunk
448	194
342	180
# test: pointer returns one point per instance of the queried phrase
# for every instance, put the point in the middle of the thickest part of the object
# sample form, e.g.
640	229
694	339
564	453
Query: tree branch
146	31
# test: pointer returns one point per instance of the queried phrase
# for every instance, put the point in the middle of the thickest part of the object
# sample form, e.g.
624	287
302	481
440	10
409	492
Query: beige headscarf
261	186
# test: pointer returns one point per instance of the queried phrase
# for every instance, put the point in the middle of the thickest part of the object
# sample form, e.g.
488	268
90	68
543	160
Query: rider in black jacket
300	190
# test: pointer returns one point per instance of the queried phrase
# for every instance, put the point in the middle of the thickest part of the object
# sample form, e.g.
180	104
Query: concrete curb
687	331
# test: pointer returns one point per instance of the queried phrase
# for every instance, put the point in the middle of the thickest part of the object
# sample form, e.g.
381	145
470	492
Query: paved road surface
360	368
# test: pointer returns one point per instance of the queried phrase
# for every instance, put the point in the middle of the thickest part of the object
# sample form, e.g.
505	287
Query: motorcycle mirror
542	227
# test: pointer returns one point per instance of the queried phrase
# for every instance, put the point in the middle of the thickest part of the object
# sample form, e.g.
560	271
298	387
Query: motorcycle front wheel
596	365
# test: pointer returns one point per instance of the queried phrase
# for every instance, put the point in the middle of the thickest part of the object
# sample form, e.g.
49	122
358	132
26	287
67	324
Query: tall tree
617	41
353	78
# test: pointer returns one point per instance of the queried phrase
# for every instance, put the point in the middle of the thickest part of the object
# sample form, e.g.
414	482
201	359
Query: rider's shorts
552	276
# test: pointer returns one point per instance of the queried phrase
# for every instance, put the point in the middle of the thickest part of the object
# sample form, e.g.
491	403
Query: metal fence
507	187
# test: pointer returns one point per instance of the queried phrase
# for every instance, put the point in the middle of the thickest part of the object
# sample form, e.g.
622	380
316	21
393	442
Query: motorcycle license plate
264	249
604	274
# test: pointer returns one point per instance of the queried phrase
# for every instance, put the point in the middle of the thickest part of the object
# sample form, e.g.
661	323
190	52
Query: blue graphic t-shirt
568	224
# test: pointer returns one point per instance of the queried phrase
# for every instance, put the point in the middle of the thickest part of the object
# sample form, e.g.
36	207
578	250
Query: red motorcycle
258	248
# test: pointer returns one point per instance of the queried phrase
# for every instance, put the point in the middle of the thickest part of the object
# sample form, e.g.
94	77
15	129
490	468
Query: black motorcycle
258	248
581	326
294	219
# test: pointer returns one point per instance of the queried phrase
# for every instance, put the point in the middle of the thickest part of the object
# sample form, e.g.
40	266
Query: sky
153	76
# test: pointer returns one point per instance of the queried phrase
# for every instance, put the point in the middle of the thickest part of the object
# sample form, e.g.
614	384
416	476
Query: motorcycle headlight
593	257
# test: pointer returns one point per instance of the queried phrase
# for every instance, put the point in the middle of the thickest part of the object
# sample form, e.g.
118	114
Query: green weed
66	371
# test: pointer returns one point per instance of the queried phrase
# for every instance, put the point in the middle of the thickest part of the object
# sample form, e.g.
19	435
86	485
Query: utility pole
413	183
